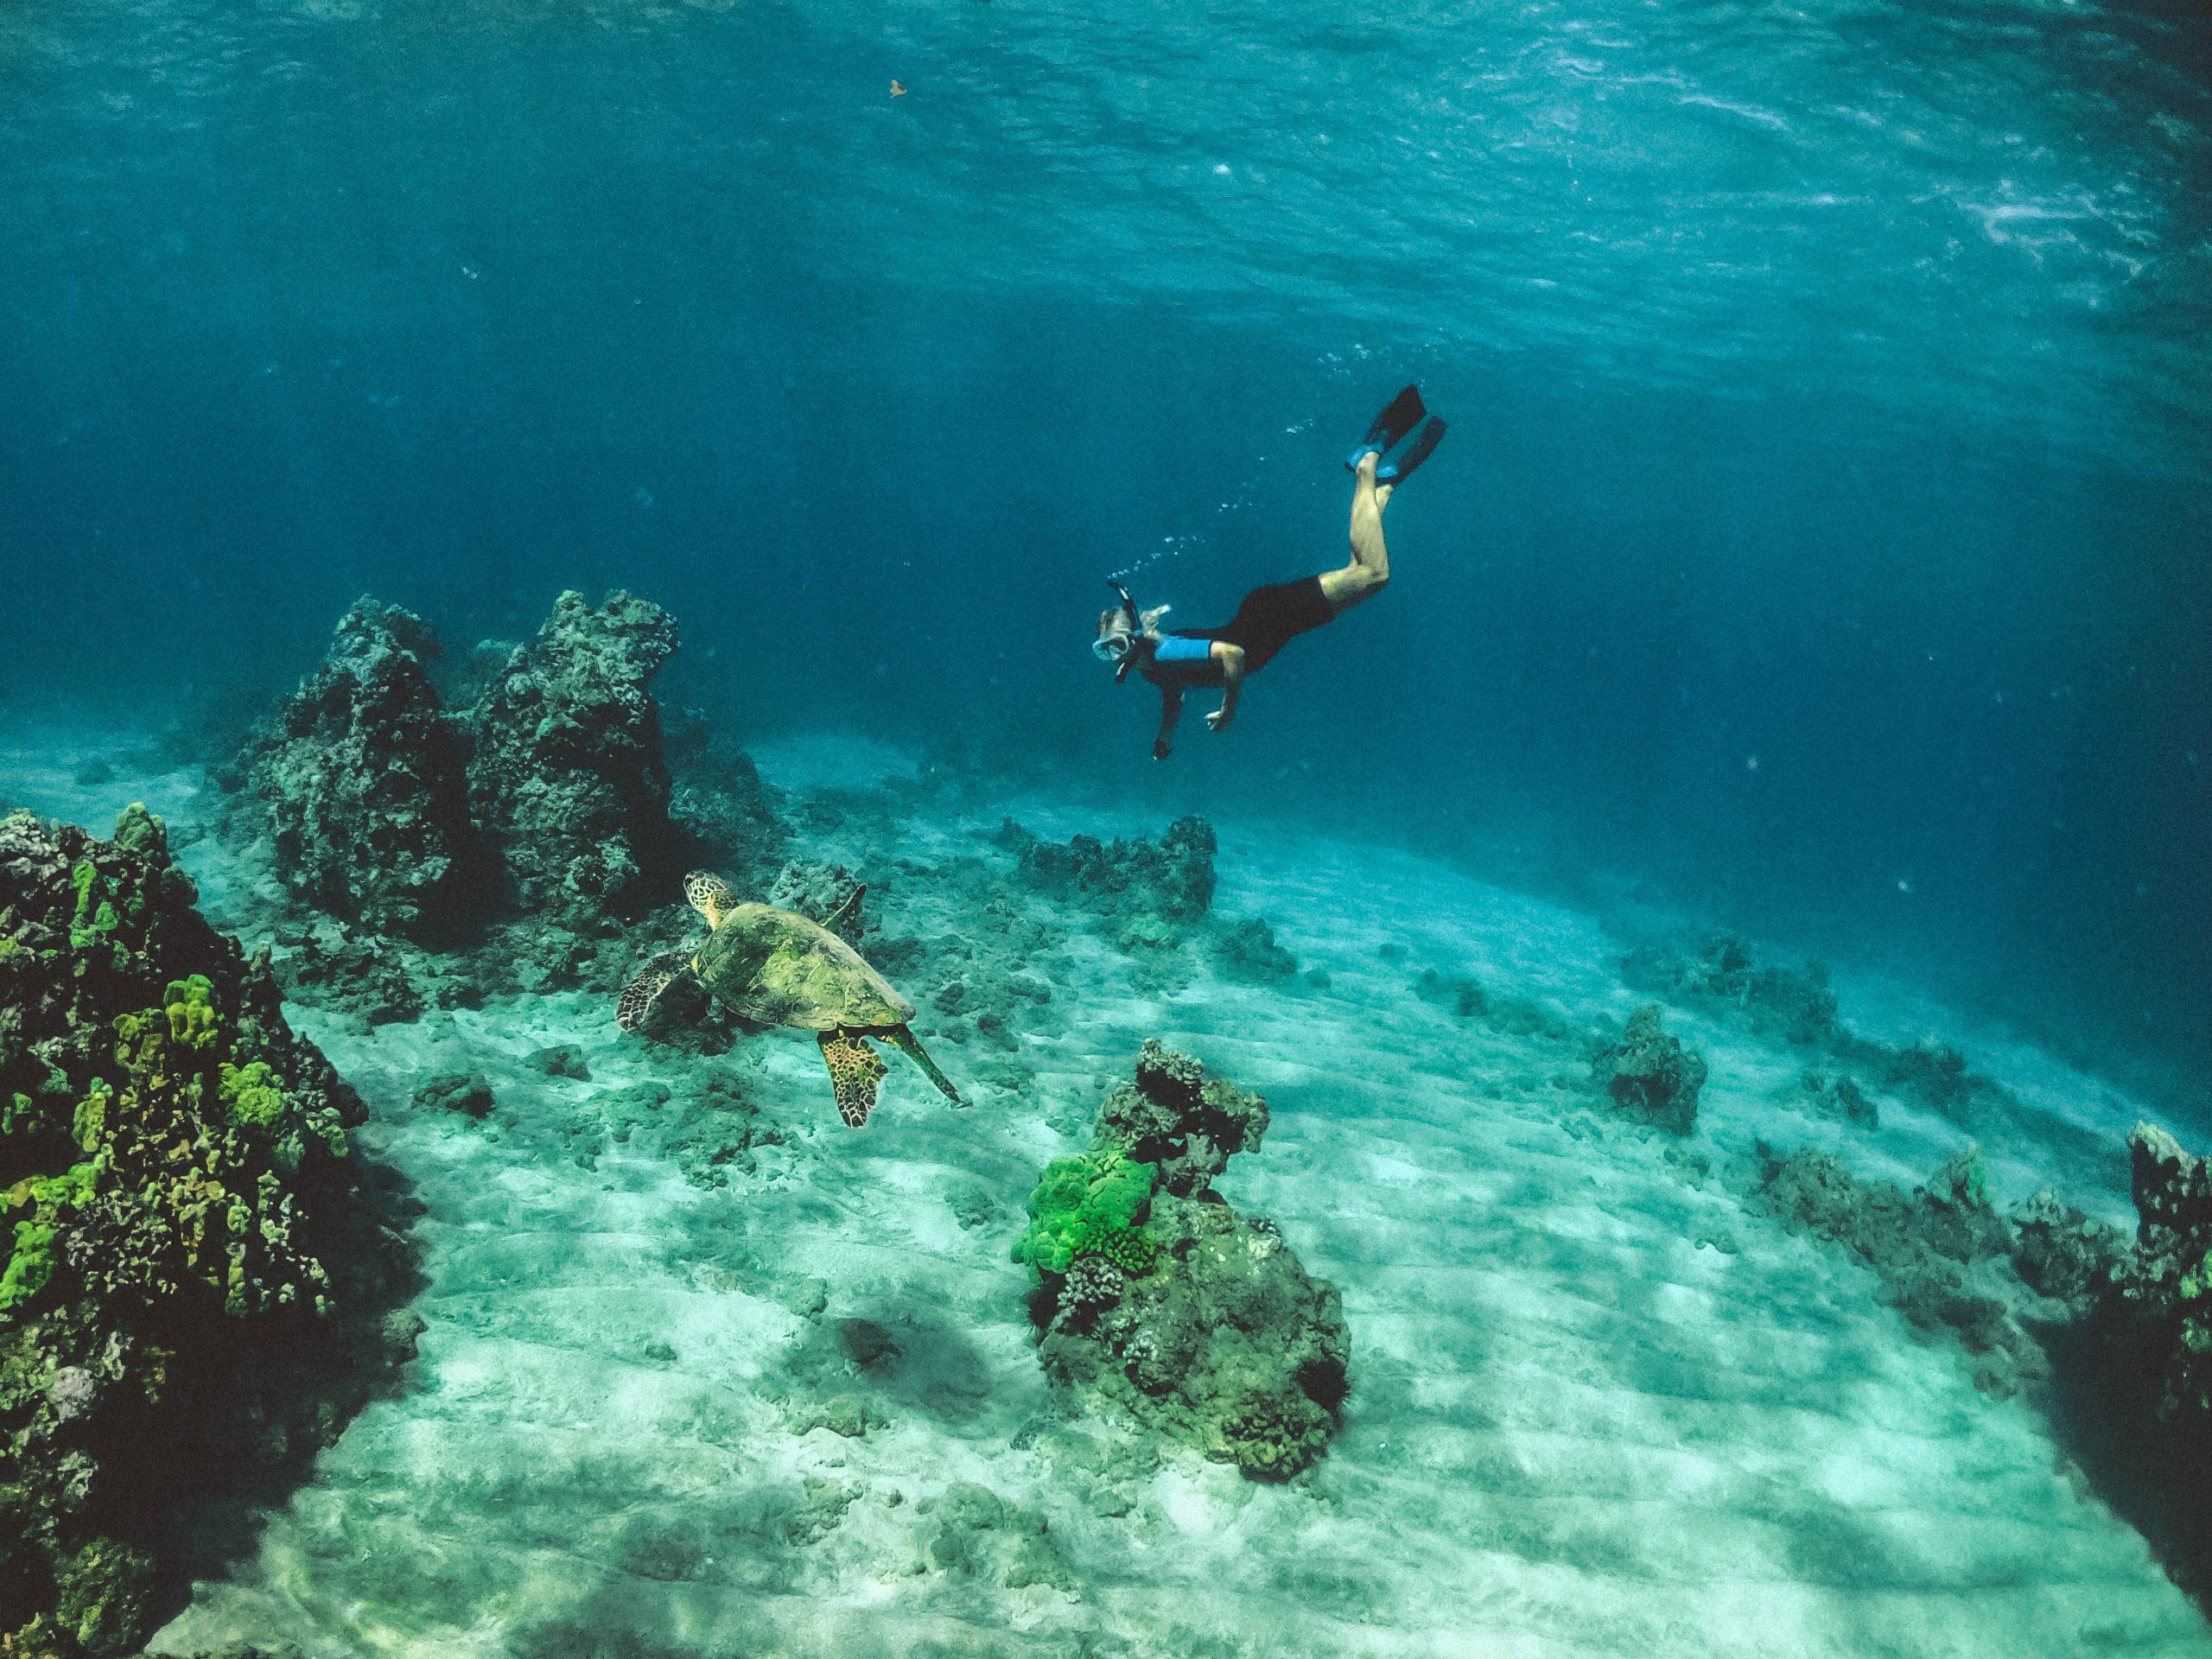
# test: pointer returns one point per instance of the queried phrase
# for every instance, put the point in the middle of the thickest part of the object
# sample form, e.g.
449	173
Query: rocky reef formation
197	1286
361	775
1143	886
2168	1280
1649	1075
523	838
2106	1337
1721	976
1156	1296
1941	1254
567	779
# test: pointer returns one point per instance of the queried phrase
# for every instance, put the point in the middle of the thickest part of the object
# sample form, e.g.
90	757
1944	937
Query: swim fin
1404	413
1400	467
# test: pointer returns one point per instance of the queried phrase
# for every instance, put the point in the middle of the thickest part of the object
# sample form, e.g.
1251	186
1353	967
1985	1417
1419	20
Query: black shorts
1272	616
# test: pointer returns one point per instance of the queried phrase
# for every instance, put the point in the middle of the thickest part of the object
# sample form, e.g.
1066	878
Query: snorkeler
1271	616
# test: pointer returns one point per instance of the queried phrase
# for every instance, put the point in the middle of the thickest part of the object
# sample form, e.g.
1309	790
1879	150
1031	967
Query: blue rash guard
1186	660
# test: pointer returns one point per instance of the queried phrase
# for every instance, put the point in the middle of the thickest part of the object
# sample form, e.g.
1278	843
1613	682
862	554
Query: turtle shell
775	967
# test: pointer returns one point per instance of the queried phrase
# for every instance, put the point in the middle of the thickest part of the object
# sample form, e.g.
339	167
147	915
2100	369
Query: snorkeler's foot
1399	467
1403	413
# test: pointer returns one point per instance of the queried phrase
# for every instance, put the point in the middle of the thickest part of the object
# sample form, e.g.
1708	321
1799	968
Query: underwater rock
567	779
717	799
1171	879
1158	1298
1940	1254
2061	1254
2169	1275
976	1532
816	890
198	1285
1187	1126
1837	1097
363	976
1247	952
468	1093
560	1060
1720	974
361	776
1460	996
1649	1075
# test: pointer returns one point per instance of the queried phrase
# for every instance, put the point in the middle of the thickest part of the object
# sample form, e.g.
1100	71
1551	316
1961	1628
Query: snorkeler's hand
1217	720
1160	748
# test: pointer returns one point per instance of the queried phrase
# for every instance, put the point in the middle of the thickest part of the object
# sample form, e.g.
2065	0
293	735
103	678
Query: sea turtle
775	967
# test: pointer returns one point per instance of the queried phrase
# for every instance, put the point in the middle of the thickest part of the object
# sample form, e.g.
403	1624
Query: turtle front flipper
907	1044
854	1072
656	976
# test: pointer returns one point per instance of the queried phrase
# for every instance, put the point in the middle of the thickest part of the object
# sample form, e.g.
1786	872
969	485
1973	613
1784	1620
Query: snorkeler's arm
1232	683
1171	710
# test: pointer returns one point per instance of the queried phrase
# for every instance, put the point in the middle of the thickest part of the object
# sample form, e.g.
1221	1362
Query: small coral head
709	894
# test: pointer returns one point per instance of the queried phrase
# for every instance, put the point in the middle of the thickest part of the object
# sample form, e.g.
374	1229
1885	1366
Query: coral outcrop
567	778
1158	1297
1940	1253
1169	881
1649	1075
196	1282
360	774
1721	976
2169	1277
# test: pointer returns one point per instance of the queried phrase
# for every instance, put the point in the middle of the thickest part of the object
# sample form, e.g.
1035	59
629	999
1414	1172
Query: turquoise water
1819	550
1827	388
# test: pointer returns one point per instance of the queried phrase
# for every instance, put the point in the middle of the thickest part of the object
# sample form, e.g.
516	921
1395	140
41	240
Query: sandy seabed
1599	1408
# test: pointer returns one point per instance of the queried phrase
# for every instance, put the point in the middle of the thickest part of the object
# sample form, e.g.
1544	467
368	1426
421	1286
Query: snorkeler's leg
1368	572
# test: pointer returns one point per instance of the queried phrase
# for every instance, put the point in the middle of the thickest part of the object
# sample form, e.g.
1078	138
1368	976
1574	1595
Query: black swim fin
1400	467
1404	413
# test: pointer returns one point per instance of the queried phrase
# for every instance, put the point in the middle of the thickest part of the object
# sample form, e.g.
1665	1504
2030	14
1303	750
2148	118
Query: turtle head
709	894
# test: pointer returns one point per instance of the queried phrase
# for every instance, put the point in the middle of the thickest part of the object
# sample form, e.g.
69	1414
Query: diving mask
1113	647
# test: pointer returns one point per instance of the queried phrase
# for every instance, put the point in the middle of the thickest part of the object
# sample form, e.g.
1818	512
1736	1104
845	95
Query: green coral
137	831
30	1267
1127	1247
94	920
1088	1205
91	1124
251	1093
190	1005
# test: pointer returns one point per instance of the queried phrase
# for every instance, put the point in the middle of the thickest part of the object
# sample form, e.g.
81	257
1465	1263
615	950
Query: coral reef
1158	1297
1649	1075
196	1289
567	778
361	775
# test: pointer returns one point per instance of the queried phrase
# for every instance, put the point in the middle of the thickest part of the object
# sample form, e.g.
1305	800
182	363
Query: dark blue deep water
1821	543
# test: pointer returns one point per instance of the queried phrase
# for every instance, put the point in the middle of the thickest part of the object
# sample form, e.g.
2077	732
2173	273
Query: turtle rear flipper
651	980
904	1040
855	1071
